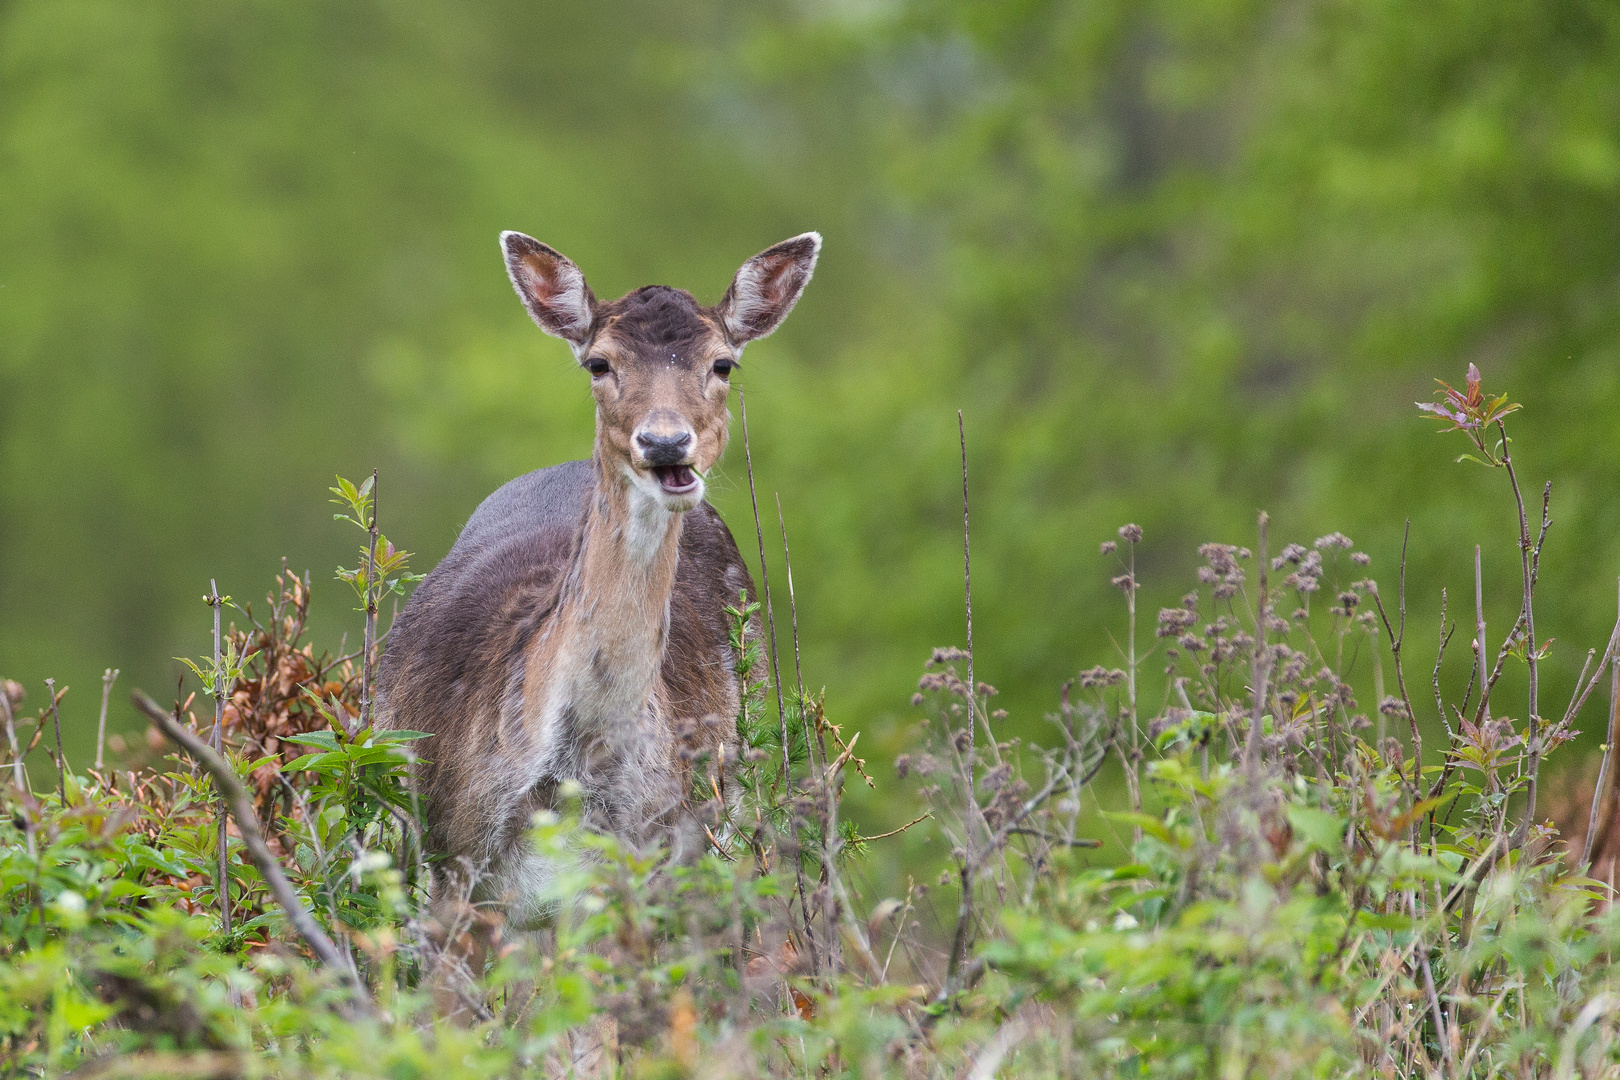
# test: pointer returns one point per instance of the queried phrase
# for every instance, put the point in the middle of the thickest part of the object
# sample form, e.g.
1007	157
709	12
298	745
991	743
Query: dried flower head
1173	622
1290	554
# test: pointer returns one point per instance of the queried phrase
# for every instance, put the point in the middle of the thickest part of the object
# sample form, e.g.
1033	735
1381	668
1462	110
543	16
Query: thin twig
975	714
1577	701
1077	842
765	579
899	929
964	910
1442	1036
896	832
1397	638
813	741
1261	661
108	677
1439	656
247	821
967	590
56	719
1484	708
798	670
1527	616
370	649
776	678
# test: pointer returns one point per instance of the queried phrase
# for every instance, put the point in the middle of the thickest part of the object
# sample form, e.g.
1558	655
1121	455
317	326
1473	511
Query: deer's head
660	362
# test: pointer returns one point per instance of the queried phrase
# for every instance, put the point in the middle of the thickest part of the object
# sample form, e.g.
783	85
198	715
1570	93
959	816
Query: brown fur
577	631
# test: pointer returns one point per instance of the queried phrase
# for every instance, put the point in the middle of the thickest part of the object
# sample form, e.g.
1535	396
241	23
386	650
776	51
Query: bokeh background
1175	261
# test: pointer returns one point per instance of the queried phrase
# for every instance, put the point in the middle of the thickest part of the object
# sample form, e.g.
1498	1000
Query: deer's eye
723	368
597	366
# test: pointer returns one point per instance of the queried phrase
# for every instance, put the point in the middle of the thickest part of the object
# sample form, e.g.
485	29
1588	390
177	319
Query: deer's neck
595	668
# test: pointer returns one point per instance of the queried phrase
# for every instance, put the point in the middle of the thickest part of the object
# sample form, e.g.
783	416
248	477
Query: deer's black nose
658	448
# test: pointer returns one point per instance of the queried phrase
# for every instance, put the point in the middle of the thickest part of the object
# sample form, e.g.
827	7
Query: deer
574	643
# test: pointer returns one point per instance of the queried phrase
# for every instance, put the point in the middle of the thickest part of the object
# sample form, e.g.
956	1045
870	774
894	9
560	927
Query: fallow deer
577	630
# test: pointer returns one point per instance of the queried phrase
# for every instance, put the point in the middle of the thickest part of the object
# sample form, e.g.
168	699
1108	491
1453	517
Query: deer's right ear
550	286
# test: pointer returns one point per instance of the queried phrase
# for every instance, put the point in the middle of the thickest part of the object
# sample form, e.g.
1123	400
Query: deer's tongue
675	478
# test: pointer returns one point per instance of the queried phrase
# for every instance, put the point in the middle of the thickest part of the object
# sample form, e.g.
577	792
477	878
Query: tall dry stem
1260	661
776	680
18	777
217	742
108	677
56	721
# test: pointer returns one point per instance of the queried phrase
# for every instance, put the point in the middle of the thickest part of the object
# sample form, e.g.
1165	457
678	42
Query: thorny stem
1528	617
964	912
975	714
368	655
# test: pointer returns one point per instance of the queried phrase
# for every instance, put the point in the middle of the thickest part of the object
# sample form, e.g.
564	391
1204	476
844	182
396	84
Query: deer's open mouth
675	479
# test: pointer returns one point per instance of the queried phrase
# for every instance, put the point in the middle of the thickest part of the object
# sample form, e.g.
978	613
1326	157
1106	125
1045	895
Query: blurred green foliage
1175	261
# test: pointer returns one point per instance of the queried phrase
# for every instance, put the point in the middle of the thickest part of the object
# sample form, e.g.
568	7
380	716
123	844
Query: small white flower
1124	921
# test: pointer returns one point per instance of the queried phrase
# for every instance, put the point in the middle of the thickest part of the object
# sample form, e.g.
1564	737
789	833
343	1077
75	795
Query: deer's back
454	659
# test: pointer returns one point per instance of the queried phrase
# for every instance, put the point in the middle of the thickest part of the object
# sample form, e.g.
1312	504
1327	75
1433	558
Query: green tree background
1175	261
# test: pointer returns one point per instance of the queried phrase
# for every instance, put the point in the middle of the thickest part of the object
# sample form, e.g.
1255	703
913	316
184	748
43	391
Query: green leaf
326	740
316	762
401	735
1321	830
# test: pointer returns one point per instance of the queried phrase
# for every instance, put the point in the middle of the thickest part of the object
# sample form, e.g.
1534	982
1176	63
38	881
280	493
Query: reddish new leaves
1470	410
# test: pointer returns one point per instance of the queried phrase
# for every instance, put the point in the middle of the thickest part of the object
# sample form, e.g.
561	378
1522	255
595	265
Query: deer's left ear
767	287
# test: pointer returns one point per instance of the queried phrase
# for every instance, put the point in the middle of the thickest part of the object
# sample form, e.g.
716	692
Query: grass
1310	890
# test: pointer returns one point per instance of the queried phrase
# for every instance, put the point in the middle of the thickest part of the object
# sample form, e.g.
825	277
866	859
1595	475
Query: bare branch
241	808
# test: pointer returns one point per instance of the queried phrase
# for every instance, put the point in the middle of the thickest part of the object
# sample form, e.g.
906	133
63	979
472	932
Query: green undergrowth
1310	889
